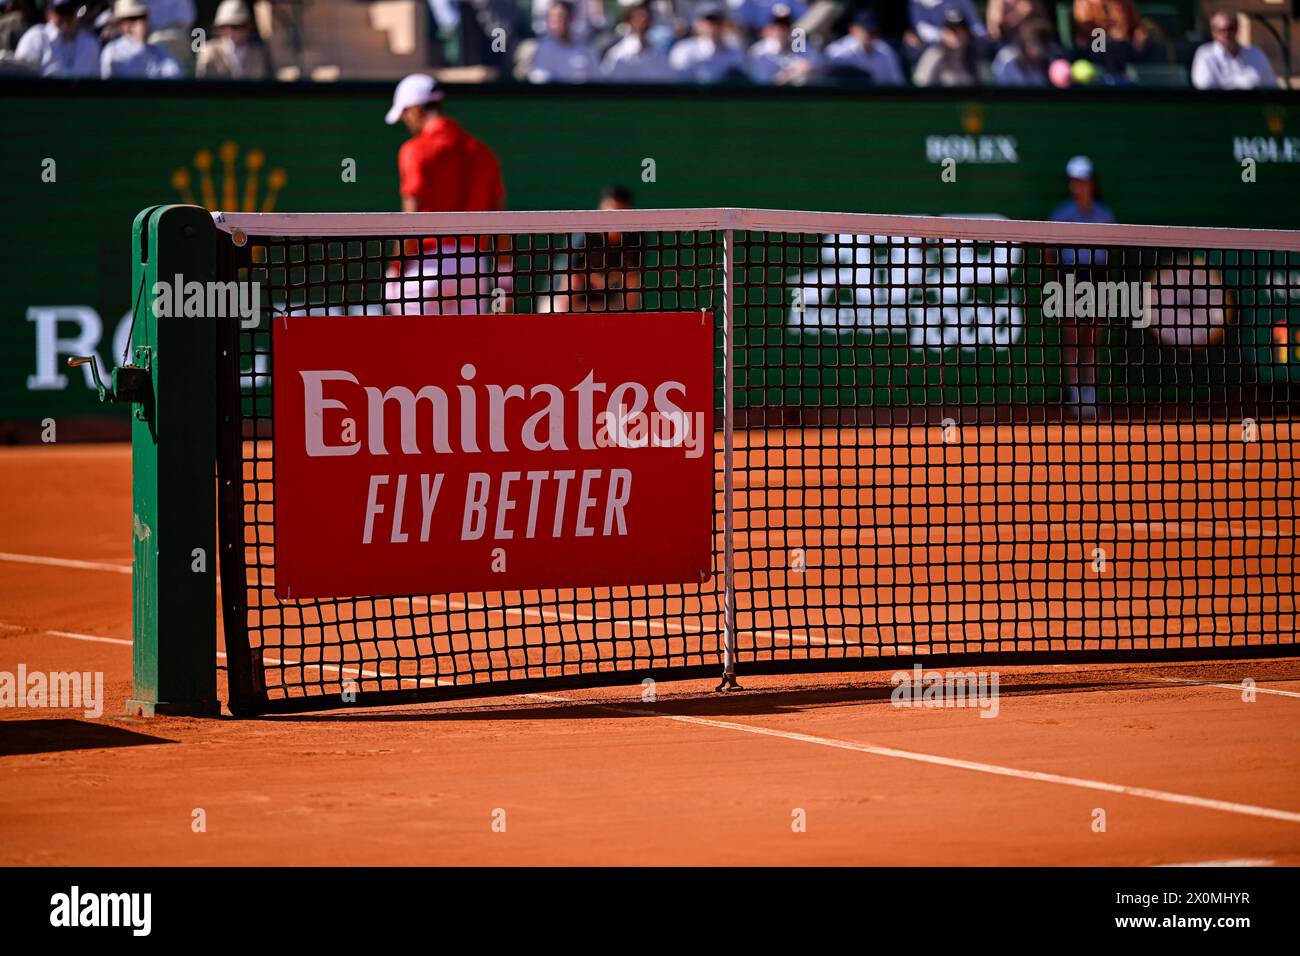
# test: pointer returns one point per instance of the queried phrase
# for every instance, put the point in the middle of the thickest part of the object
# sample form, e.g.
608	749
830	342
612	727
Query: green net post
173	457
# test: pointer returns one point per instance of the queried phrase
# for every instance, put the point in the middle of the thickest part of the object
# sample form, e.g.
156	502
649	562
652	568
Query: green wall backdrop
113	148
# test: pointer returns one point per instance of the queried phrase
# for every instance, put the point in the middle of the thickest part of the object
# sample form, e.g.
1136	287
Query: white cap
1079	167
231	13
414	90
129	9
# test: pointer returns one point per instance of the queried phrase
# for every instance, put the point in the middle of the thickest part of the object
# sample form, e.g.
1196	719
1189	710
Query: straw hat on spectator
129	10
231	13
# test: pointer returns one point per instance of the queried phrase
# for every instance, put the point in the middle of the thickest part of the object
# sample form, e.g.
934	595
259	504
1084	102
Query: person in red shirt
442	168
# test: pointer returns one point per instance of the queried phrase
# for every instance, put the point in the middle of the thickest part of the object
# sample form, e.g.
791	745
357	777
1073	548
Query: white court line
64	562
792	637
1241	862
1147	793
344	669
568	617
1237	687
95	638
559	616
70	563
348	670
1199	529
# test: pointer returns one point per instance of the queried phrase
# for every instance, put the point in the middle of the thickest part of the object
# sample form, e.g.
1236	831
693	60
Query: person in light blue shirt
588	19
130	57
708	55
559	56
1023	61
175	15
776	58
1080	337
1084	205
928	18
635	58
861	49
757	14
59	47
169	27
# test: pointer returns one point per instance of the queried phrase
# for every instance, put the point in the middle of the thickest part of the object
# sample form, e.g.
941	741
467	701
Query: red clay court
1185	770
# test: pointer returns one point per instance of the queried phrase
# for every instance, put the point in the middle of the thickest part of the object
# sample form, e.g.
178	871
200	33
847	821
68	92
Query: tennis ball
1084	72
1059	73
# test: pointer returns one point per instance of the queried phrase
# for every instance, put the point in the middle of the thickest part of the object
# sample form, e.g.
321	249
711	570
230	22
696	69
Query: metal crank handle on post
131	383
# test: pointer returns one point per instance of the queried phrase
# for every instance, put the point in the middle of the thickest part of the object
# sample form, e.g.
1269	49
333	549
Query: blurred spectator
708	55
59	47
17	17
169	24
234	53
475	21
951	61
171	15
774	58
757	14
671	20
1224	64
1124	35
894	17
97	17
129	57
635	58
929	20
1023	61
864	51
1005	17
559	58
587	18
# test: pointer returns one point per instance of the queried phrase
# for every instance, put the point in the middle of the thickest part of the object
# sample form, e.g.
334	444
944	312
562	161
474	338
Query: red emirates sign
427	454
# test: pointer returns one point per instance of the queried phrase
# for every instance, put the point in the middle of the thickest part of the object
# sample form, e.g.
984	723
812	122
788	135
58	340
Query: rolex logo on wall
231	196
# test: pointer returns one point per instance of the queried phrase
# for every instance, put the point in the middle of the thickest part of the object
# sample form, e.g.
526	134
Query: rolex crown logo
972	119
1275	120
230	198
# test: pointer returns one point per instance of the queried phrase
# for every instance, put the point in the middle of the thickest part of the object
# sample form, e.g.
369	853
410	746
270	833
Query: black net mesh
1009	447
434	644
941	447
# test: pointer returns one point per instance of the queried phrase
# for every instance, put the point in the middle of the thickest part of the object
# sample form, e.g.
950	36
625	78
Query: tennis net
935	440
